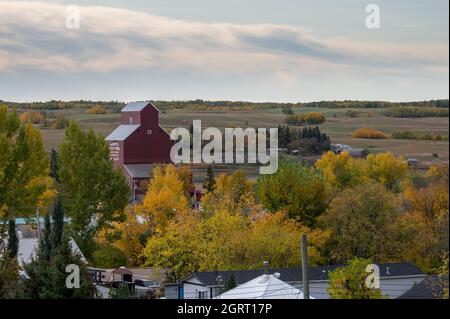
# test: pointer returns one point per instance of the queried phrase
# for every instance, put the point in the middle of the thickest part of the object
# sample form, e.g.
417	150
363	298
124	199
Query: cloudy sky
258	50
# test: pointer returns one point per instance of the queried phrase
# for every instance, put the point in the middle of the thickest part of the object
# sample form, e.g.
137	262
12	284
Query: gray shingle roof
122	132
295	274
432	287
135	106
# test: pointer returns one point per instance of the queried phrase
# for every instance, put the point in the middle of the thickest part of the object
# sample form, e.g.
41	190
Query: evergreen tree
9	277
231	283
58	223
13	241
210	183
45	243
54	165
47	272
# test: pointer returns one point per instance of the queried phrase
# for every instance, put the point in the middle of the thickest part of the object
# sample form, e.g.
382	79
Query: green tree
47	272
107	256
46	244
54	165
231	283
58	223
210	183
122	292
93	193
9	277
362	221
295	188
24	166
349	282
13	241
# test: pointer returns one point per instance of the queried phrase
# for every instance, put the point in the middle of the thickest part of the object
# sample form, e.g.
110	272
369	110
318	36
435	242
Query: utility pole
305	267
38	224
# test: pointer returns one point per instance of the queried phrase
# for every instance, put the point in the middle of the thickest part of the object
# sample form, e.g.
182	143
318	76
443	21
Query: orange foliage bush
369	133
33	117
96	110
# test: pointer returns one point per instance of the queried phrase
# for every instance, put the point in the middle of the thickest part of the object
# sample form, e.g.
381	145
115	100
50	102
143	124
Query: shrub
33	117
96	110
60	123
369	133
108	256
303	119
287	109
410	135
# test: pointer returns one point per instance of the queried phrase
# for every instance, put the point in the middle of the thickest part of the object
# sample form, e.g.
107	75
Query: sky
253	50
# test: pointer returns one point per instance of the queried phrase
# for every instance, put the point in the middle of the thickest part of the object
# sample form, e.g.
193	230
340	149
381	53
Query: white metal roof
122	132
28	248
135	106
139	170
263	287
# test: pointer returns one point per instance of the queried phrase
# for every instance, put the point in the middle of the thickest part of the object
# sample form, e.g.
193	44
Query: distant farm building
138	143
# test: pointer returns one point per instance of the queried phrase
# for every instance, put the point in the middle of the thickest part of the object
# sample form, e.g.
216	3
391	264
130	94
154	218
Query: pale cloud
34	35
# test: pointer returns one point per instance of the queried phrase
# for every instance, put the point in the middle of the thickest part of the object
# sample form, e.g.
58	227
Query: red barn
138	143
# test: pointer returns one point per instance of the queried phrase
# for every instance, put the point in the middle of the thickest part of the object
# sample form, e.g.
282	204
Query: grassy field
338	126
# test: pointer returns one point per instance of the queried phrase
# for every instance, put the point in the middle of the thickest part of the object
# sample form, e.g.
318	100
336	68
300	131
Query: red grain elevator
138	143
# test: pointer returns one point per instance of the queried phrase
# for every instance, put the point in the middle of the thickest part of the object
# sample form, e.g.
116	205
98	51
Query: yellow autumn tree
230	241
427	209
165	196
233	193
222	236
385	168
430	201
133	233
276	238
185	175
339	170
177	247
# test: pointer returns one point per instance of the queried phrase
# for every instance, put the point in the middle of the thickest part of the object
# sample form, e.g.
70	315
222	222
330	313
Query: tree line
228	105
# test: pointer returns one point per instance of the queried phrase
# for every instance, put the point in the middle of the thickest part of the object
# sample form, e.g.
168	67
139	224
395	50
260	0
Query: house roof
28	248
122	132
122	271
263	287
139	170
357	152
319	273
137	106
432	287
